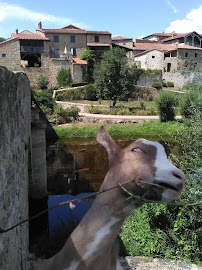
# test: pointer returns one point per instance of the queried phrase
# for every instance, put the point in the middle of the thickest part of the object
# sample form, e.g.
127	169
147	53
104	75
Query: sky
128	18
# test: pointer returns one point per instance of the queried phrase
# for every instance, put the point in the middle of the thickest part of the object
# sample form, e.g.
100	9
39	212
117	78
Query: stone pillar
15	128
38	181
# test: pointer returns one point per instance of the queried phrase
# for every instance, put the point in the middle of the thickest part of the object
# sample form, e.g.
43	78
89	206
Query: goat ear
107	142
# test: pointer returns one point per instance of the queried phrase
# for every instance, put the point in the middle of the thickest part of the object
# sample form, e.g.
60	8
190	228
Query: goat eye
137	150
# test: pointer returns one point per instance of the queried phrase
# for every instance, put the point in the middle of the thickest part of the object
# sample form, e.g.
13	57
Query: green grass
124	130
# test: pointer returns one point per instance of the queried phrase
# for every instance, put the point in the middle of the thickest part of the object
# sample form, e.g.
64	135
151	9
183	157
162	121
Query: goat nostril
179	176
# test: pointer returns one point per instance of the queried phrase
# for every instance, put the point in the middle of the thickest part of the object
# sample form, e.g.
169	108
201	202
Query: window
96	38
186	54
55	53
56	38
73	51
72	39
195	55
3	55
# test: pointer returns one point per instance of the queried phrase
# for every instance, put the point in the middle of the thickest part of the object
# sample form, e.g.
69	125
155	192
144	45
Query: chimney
39	25
16	31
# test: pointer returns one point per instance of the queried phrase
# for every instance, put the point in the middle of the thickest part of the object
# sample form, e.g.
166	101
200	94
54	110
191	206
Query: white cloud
172	7
192	22
9	11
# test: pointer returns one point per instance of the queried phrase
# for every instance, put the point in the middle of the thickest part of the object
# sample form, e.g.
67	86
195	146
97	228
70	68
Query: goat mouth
168	186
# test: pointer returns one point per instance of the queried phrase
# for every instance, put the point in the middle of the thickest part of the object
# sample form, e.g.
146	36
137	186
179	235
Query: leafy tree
2	39
113	77
89	56
42	81
64	77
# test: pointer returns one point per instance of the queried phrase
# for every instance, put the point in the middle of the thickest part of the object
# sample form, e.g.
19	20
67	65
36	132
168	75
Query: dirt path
125	117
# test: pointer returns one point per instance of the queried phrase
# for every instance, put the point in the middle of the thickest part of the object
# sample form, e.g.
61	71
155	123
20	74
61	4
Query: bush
153	71
64	77
157	85
90	92
42	81
166	102
71	94
170	84
191	101
72	111
165	84
46	102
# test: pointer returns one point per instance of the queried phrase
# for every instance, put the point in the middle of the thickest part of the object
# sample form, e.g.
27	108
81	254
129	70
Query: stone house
191	38
49	50
123	41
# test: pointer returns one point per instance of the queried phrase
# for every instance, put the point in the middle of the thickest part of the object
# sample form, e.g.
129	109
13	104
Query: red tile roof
98	32
152	46
97	44
67	29
78	61
120	38
28	35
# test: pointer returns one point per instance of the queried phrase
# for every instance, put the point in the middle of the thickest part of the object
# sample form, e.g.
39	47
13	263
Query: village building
49	50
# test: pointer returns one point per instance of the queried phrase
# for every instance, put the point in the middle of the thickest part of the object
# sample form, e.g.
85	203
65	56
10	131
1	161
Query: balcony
31	49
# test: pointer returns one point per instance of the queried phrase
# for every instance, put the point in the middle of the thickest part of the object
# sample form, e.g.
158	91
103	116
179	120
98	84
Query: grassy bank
124	130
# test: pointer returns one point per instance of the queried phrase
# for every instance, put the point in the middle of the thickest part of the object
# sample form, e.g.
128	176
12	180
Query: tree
113	77
89	56
2	39
64	77
42	81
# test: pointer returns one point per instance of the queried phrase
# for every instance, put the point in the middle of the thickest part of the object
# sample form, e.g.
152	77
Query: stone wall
10	54
147	80
103	38
180	79
15	110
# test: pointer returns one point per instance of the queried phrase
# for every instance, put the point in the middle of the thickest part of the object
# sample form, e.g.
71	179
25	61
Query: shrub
72	111
153	71
71	94
170	84
46	102
42	81
166	102
157	85
90	92
64	77
191	101
165	84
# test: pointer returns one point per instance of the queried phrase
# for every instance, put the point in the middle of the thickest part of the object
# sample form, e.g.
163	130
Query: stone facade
64	40
151	60
15	129
10	54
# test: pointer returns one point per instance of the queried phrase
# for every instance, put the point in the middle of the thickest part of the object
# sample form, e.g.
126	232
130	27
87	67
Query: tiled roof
152	46
98	32
120	38
67	29
97	44
25	35
78	61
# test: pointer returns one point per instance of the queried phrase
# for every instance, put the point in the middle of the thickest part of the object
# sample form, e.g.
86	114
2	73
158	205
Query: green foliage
71	94
64	77
2	39
166	101
90	92
164	84
153	71
72	111
191	101
113	78
89	56
42	81
157	85
46	102
170	84
190	64
135	73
